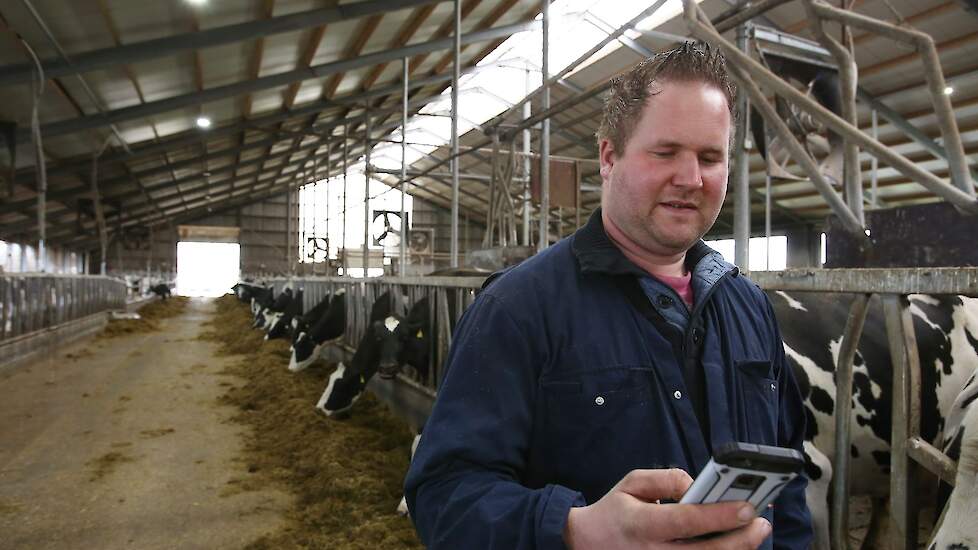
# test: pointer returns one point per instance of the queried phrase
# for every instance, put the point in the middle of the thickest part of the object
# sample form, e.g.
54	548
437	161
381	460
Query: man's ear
606	155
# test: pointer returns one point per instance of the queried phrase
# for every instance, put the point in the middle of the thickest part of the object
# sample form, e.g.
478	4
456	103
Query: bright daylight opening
760	257
207	269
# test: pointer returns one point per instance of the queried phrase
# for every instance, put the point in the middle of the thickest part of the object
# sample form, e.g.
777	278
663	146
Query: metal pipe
843	422
37	89
612	35
758	73
767	209
742	172
103	235
744	15
346	271
329	182
366	192
545	135
874	165
272	81
453	246
67	61
924	44
405	75
526	167
848	75
170	45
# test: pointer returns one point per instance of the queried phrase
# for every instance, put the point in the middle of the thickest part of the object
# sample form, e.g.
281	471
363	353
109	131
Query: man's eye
662	154
709	160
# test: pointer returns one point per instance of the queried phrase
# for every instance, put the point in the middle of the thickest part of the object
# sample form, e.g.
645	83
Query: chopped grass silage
346	475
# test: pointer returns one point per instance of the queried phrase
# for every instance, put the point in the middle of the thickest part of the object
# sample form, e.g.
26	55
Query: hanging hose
37	89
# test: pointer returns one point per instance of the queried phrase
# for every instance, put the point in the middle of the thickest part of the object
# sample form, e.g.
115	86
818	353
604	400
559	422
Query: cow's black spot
880	409
806	333
811	426
854	451
958	546
969	400
813	472
882	458
941	313
822	401
953	451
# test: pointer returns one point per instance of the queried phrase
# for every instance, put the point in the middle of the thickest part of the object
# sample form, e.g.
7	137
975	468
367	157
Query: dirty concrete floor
120	443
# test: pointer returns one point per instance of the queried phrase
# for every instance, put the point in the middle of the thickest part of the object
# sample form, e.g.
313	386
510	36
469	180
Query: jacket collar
596	253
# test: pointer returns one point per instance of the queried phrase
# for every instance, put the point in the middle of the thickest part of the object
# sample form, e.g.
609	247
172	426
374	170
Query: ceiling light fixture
948	90
203	122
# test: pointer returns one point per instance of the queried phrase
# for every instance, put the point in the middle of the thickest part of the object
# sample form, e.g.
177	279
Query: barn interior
414	146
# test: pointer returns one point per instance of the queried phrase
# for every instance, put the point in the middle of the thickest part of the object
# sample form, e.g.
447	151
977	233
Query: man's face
665	190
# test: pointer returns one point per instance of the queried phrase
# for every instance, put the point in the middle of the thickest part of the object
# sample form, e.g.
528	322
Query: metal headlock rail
413	395
30	302
908	450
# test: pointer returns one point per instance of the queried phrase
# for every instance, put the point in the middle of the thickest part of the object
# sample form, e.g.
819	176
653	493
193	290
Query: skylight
513	70
503	78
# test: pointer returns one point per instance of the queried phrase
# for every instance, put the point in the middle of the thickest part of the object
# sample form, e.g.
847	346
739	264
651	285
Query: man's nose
688	172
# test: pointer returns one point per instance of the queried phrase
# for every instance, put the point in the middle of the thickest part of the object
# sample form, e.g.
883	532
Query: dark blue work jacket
563	376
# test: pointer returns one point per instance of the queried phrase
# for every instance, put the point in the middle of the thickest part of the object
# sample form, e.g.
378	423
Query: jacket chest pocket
595	410
759	401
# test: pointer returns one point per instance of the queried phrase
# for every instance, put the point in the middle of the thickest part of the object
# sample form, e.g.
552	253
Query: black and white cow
272	308
957	529
280	324
261	298
302	323
812	324
329	328
390	340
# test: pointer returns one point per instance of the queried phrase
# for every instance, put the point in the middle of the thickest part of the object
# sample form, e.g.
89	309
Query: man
584	383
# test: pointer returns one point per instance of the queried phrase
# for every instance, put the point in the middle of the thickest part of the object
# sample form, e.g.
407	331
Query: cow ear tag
420	334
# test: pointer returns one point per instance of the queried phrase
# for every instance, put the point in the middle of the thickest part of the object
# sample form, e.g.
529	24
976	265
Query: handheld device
745	472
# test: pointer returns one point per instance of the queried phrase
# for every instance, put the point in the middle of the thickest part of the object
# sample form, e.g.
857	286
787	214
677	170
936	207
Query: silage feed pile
346	475
150	316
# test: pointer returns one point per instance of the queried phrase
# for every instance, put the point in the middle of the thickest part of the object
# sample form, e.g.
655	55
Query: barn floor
120	443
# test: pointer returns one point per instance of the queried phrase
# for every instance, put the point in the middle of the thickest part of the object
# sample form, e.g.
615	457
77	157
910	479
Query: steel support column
741	172
545	134
402	246
345	263
526	167
456	51
366	191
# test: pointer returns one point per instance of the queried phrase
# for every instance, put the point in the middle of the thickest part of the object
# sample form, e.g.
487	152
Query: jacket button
599	400
677	394
663	300
773	387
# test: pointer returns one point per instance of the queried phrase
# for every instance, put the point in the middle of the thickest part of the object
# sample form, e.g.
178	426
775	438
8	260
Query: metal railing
447	299
908	450
33	301
449	296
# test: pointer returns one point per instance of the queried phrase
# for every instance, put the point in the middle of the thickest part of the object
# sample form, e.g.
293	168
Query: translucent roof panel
513	70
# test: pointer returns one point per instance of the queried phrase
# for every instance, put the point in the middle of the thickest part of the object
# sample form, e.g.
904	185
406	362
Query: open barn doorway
207	269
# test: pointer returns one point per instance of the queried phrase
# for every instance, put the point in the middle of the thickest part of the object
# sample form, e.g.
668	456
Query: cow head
328	328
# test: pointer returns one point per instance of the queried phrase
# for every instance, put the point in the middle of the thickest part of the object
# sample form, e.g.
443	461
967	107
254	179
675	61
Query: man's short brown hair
689	62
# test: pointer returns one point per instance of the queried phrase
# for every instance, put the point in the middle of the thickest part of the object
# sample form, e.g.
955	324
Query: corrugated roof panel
166	77
141	21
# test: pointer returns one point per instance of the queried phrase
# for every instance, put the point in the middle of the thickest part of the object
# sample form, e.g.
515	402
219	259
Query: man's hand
628	516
